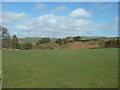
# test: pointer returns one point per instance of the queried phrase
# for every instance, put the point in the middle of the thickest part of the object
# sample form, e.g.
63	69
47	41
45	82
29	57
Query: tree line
13	42
113	43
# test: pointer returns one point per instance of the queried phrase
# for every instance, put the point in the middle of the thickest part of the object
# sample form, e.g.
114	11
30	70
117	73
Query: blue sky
60	19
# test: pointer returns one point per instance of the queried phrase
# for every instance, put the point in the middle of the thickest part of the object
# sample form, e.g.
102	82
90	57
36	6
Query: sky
60	19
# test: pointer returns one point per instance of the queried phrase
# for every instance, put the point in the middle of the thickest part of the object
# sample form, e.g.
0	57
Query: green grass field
0	63
90	68
0	68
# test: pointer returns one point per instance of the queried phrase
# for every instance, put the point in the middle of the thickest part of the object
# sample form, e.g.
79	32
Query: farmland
89	68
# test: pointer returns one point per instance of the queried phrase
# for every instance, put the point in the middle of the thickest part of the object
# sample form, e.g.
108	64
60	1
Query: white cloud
107	26
0	6
50	25
102	7
80	13
12	17
59	9
58	26
41	6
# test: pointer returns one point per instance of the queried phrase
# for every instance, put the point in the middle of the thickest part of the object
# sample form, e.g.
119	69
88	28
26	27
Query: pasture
0	68
89	68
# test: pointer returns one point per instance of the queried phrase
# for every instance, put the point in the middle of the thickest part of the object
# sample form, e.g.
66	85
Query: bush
59	41
26	46
6	43
43	40
46	46
112	43
77	38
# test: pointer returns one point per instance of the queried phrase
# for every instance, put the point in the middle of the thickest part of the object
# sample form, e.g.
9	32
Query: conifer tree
15	43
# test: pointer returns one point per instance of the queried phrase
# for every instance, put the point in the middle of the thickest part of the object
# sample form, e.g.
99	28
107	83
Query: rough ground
79	45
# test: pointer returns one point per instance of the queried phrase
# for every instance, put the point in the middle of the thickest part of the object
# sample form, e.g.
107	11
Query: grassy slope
33	40
60	68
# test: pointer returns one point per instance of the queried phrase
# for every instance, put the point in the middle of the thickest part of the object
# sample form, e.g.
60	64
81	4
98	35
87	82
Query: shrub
112	43
26	46
77	38
46	46
43	40
59	41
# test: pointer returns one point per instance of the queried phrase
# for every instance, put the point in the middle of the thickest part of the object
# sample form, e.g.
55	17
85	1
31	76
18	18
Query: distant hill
29	39
79	45
92	37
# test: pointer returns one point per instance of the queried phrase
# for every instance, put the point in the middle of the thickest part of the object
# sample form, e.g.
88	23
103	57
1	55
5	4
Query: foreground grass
92	68
0	63
0	68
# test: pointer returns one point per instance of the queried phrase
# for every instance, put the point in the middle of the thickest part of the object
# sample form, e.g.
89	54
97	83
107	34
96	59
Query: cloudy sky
60	19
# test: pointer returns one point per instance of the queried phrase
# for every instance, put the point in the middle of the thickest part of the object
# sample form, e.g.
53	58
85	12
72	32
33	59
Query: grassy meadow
90	68
0	63
0	68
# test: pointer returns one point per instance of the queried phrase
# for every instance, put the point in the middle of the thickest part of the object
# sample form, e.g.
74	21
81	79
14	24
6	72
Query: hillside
79	45
34	40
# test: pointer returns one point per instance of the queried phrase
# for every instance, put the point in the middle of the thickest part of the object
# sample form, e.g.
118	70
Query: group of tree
16	45
61	41
12	43
68	40
113	43
77	38
5	37
43	40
